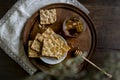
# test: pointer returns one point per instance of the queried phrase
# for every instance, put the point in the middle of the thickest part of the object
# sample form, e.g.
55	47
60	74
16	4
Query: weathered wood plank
106	17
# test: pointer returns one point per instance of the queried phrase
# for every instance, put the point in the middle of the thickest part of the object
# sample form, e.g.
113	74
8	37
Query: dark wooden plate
85	41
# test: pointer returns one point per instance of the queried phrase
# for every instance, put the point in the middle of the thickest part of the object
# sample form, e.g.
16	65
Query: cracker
36	45
47	33
48	16
53	45
32	53
40	38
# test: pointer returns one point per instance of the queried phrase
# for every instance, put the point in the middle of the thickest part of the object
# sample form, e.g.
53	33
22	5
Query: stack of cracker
53	45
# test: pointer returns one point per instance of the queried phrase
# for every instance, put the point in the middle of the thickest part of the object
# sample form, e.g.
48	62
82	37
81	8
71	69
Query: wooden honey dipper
78	52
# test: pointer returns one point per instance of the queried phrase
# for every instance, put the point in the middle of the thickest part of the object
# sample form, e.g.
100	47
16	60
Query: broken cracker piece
42	26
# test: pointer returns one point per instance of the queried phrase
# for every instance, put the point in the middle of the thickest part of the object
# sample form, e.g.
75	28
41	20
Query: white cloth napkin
12	23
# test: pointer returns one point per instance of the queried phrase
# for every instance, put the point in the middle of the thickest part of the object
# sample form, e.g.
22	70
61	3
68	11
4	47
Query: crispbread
36	45
53	45
48	16
32	53
44	35
48	33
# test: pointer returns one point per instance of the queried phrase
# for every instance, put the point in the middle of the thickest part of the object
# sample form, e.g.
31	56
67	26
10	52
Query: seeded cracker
48	16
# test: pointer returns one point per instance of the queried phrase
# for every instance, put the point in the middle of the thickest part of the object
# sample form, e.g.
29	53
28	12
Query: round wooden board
86	41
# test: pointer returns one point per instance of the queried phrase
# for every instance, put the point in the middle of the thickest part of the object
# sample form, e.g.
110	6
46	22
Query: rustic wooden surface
106	17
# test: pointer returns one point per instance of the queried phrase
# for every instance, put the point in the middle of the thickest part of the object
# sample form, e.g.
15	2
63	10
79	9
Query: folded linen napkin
12	23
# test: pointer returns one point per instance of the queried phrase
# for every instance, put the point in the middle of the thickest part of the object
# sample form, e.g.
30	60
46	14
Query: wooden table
106	17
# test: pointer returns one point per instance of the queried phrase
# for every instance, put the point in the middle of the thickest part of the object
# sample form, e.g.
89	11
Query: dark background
106	17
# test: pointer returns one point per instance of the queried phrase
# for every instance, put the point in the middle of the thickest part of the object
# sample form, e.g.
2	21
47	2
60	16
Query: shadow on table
9	69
